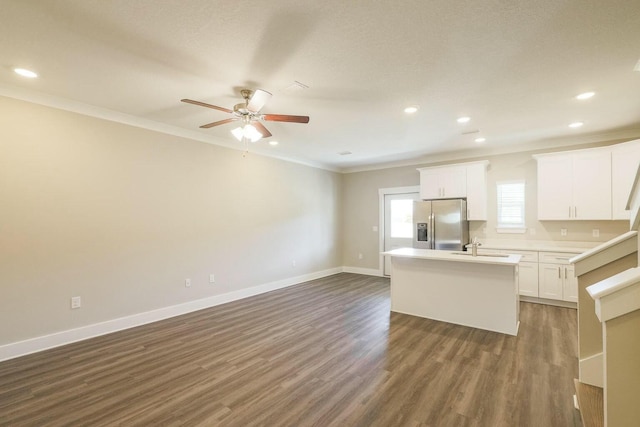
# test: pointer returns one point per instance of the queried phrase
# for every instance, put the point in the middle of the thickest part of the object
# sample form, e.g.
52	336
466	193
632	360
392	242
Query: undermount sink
491	255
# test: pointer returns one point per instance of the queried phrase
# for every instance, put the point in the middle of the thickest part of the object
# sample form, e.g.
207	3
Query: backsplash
576	231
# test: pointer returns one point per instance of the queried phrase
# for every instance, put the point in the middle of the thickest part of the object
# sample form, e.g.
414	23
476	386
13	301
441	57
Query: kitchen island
456	287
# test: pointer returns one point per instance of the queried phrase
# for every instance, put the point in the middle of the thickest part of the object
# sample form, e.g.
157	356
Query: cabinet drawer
526	256
556	257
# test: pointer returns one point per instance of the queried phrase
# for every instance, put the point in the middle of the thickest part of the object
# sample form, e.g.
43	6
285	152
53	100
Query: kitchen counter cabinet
481	292
575	186
477	191
444	182
625	159
545	271
557	277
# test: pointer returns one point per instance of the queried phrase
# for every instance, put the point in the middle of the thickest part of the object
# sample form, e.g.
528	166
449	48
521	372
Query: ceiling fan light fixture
273	143
247	131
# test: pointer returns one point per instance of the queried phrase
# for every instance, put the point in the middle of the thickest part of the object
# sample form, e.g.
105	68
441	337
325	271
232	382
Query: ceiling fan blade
218	123
263	130
285	118
203	104
258	99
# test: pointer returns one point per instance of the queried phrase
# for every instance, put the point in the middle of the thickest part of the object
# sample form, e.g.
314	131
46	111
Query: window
511	207
402	218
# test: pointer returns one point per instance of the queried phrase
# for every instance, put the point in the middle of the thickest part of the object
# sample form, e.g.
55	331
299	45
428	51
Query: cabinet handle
562	259
575	212
559	276
569	211
565	272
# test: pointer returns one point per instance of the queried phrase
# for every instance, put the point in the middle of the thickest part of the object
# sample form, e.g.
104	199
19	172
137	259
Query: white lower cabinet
528	275
545	275
557	277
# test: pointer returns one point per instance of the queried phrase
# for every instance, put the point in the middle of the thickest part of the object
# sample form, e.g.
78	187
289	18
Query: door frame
381	193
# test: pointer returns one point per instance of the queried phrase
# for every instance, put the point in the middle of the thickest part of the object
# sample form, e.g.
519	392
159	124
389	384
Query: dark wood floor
323	353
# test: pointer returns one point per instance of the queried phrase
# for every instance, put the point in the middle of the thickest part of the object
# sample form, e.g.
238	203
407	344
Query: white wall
121	216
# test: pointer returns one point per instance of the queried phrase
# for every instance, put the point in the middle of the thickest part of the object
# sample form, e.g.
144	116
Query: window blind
511	204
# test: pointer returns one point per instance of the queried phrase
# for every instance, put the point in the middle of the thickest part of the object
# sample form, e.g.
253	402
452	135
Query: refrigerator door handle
432	225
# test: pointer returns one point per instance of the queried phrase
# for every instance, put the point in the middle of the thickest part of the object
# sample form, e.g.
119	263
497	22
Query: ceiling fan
248	113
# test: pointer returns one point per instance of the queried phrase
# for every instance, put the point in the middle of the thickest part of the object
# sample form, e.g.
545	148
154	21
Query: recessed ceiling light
274	143
585	95
576	124
463	119
25	73
480	140
411	109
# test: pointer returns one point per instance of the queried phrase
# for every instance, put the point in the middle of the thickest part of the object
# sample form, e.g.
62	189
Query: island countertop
455	256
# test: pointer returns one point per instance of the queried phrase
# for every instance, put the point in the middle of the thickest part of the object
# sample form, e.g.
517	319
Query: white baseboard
545	301
592	370
365	271
33	345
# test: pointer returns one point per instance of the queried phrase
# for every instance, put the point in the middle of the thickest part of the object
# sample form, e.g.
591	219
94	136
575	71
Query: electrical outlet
76	302
563	231
374	228
187	283
596	232
212	278
360	256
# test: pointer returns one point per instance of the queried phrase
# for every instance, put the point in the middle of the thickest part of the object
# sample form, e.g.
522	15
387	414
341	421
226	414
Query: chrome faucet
474	246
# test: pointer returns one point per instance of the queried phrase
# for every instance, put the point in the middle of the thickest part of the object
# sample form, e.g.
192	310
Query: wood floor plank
327	352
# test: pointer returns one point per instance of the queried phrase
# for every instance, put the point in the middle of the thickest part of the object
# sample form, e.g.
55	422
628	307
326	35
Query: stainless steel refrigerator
440	224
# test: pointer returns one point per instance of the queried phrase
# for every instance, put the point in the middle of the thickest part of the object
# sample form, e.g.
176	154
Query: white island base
481	292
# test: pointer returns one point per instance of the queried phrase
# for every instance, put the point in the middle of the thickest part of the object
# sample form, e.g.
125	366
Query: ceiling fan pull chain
245	141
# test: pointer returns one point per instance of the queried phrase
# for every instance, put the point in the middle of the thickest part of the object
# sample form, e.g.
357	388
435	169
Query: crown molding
538	146
47	100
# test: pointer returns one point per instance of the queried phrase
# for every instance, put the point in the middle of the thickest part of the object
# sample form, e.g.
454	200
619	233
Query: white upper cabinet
575	185
477	191
462	180
443	182
625	159
555	187
592	185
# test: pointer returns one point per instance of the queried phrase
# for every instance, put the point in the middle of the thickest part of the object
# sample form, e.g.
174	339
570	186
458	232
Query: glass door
398	224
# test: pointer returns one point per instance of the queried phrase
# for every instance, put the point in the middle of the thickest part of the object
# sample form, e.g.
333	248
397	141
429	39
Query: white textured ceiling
513	66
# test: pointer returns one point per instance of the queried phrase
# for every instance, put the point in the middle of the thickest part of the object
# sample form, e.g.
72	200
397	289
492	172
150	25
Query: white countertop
538	245
456	256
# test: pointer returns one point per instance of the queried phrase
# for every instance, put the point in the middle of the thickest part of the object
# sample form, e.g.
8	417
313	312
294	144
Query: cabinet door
528	274
555	187
477	192
550	281
624	166
430	186
569	284
592	185
454	182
